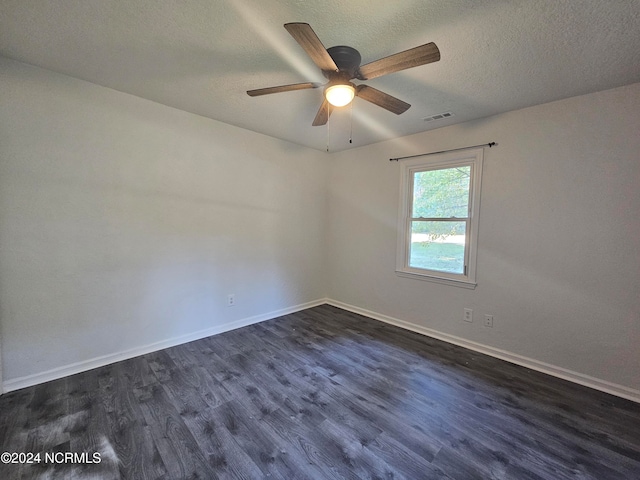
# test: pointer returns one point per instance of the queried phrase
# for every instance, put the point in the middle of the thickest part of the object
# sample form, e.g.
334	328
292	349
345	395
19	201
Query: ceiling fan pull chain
351	123
328	123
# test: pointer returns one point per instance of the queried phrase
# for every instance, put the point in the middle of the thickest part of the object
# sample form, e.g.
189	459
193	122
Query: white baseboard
83	366
576	377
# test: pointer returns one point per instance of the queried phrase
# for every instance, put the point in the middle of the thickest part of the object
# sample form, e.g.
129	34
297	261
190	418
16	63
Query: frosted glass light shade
339	95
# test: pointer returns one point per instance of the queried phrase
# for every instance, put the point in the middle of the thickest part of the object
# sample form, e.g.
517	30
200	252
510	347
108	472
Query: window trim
472	157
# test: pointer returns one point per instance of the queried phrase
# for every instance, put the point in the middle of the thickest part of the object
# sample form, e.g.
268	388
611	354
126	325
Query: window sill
432	278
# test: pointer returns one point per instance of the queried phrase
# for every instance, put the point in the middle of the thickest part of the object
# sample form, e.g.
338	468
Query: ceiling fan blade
309	41
382	99
323	114
413	57
281	88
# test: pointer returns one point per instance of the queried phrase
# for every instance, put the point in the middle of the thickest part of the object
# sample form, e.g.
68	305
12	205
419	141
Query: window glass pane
442	193
438	246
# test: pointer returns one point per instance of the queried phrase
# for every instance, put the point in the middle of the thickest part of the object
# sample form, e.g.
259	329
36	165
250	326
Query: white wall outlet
231	300
488	320
468	315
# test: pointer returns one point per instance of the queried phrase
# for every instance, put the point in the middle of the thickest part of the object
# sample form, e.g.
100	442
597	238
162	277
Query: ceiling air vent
438	116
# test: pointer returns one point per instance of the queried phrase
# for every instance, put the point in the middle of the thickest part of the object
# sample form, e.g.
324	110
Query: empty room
319	240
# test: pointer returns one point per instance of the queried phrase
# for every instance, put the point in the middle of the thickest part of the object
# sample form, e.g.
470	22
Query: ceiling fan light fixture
340	95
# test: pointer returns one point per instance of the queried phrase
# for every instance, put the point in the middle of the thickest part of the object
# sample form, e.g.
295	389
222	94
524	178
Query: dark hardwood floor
320	394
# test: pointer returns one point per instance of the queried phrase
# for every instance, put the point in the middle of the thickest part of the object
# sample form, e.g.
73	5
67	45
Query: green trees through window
439	219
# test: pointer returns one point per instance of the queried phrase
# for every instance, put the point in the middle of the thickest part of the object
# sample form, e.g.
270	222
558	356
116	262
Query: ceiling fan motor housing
347	59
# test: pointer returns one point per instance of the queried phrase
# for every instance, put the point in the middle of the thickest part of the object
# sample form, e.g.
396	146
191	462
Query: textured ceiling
202	55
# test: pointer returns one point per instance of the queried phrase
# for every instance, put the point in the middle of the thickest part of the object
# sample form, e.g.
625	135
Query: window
438	218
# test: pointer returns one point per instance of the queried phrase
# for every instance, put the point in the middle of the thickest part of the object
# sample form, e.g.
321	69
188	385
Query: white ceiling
202	55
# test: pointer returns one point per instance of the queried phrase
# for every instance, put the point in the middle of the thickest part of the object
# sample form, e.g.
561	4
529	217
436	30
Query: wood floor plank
258	443
405	460
220	448
309	446
320	394
352	451
293	401
125	435
177	448
197	410
195	377
363	415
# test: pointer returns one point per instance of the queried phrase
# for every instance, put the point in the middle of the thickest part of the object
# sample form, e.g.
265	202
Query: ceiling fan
341	64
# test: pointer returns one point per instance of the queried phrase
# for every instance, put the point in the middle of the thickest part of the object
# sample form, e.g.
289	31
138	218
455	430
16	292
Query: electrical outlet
231	300
488	320
468	315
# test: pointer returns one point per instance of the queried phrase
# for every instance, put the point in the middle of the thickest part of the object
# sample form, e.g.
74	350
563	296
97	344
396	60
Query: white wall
559	237
124	222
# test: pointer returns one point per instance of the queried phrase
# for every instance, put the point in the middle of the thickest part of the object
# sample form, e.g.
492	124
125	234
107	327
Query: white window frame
408	168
